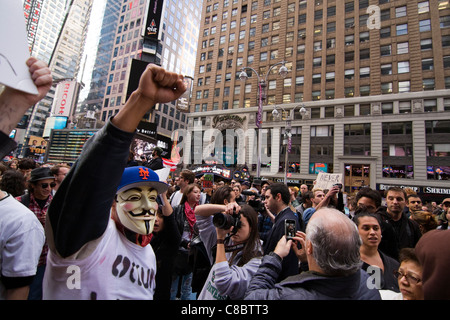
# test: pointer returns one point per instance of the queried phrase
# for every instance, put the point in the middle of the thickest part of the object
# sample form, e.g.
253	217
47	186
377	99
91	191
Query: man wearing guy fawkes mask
100	222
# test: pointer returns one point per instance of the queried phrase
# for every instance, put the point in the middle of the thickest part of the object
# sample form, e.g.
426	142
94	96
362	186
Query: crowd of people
110	228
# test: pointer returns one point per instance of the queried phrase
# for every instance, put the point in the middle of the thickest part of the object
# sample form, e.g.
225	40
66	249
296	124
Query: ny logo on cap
143	173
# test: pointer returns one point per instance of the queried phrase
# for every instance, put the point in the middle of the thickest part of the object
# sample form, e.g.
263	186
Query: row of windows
321	152
316	95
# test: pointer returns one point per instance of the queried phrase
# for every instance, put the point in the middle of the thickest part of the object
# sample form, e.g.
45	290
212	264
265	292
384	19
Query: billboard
54	123
64	98
152	24
182	103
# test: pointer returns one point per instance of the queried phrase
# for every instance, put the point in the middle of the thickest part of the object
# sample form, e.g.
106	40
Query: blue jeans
36	286
186	288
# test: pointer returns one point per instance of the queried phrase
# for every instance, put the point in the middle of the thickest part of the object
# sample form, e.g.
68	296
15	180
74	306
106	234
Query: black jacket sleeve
80	209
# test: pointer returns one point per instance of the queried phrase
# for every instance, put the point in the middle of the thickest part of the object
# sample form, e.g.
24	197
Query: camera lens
222	221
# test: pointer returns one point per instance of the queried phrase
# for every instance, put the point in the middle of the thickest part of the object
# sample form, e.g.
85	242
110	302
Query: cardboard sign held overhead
326	180
14	50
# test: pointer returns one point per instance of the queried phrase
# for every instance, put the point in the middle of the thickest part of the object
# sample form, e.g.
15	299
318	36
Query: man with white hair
332	250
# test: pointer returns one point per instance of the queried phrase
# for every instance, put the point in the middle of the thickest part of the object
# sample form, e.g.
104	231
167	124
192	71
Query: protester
238	250
433	251
294	193
21	242
26	165
59	171
156	162
409	277
414	204
426	221
320	200
406	230
369	200
14	103
375	262
277	202
103	240
186	178
38	199
13	182
185	219
165	242
444	214
332	251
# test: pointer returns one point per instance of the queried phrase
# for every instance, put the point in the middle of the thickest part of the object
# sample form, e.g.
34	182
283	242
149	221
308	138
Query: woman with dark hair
237	247
378	265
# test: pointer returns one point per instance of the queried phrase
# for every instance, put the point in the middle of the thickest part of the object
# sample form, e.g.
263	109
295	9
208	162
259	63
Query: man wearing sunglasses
38	199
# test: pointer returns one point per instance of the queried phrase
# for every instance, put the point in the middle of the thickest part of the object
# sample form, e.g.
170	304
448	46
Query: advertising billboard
152	24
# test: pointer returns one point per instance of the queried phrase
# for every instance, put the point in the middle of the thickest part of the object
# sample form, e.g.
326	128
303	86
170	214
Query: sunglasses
45	185
446	203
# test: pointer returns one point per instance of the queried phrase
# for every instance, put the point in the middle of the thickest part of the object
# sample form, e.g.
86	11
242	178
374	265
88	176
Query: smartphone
289	228
339	185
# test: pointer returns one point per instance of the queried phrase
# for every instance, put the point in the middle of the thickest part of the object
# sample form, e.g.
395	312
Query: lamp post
262	85
287	139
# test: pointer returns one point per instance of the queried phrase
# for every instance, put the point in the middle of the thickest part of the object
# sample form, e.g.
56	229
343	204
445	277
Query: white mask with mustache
136	209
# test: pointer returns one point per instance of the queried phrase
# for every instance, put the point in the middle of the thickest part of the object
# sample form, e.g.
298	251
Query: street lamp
262	84
287	141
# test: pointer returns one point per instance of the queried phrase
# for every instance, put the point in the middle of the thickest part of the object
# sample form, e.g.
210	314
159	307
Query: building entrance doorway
356	177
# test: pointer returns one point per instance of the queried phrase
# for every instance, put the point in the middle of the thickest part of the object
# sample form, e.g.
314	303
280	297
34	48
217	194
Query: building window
404	86
385	32
400	12
401	29
386	69
385	50
444	22
402	47
425	25
403	67
426	44
427	64
386	87
423	7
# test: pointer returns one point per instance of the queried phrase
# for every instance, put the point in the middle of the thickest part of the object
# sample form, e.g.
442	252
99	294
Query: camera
257	203
339	185
226	221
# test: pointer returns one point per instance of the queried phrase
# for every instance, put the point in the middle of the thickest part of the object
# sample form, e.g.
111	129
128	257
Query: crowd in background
389	225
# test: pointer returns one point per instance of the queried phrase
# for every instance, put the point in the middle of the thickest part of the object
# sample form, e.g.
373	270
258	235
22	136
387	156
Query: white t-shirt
116	269
21	240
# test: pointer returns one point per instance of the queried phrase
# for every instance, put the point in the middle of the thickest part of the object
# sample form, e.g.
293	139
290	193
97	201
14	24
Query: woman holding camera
236	243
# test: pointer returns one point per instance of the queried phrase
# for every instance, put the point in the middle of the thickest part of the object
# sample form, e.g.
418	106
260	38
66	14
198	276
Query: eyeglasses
446	203
45	185
410	278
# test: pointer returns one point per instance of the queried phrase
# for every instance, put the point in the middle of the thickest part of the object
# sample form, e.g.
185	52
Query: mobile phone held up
289	228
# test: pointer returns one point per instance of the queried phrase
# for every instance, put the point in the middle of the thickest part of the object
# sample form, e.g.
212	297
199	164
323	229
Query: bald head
334	241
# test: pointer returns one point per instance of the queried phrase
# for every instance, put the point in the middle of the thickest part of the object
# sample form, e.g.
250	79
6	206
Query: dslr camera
226	221
257	203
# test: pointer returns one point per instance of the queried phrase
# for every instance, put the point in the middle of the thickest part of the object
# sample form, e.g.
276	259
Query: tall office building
373	77
173	46
58	41
103	38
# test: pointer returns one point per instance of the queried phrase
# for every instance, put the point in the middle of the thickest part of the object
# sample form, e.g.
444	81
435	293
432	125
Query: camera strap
234	248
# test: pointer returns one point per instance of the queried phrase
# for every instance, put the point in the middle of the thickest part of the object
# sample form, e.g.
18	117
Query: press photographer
231	231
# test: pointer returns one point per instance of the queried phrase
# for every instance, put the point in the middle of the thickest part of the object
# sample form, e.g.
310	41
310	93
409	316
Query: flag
169	164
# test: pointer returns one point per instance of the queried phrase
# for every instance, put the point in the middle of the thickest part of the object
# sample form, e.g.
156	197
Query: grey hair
335	240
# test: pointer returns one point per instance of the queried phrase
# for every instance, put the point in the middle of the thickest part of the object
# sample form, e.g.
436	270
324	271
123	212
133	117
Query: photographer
237	245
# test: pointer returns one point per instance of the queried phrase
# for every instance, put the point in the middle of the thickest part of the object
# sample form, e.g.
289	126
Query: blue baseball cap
141	176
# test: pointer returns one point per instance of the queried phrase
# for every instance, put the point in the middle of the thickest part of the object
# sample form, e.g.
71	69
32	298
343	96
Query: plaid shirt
41	214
